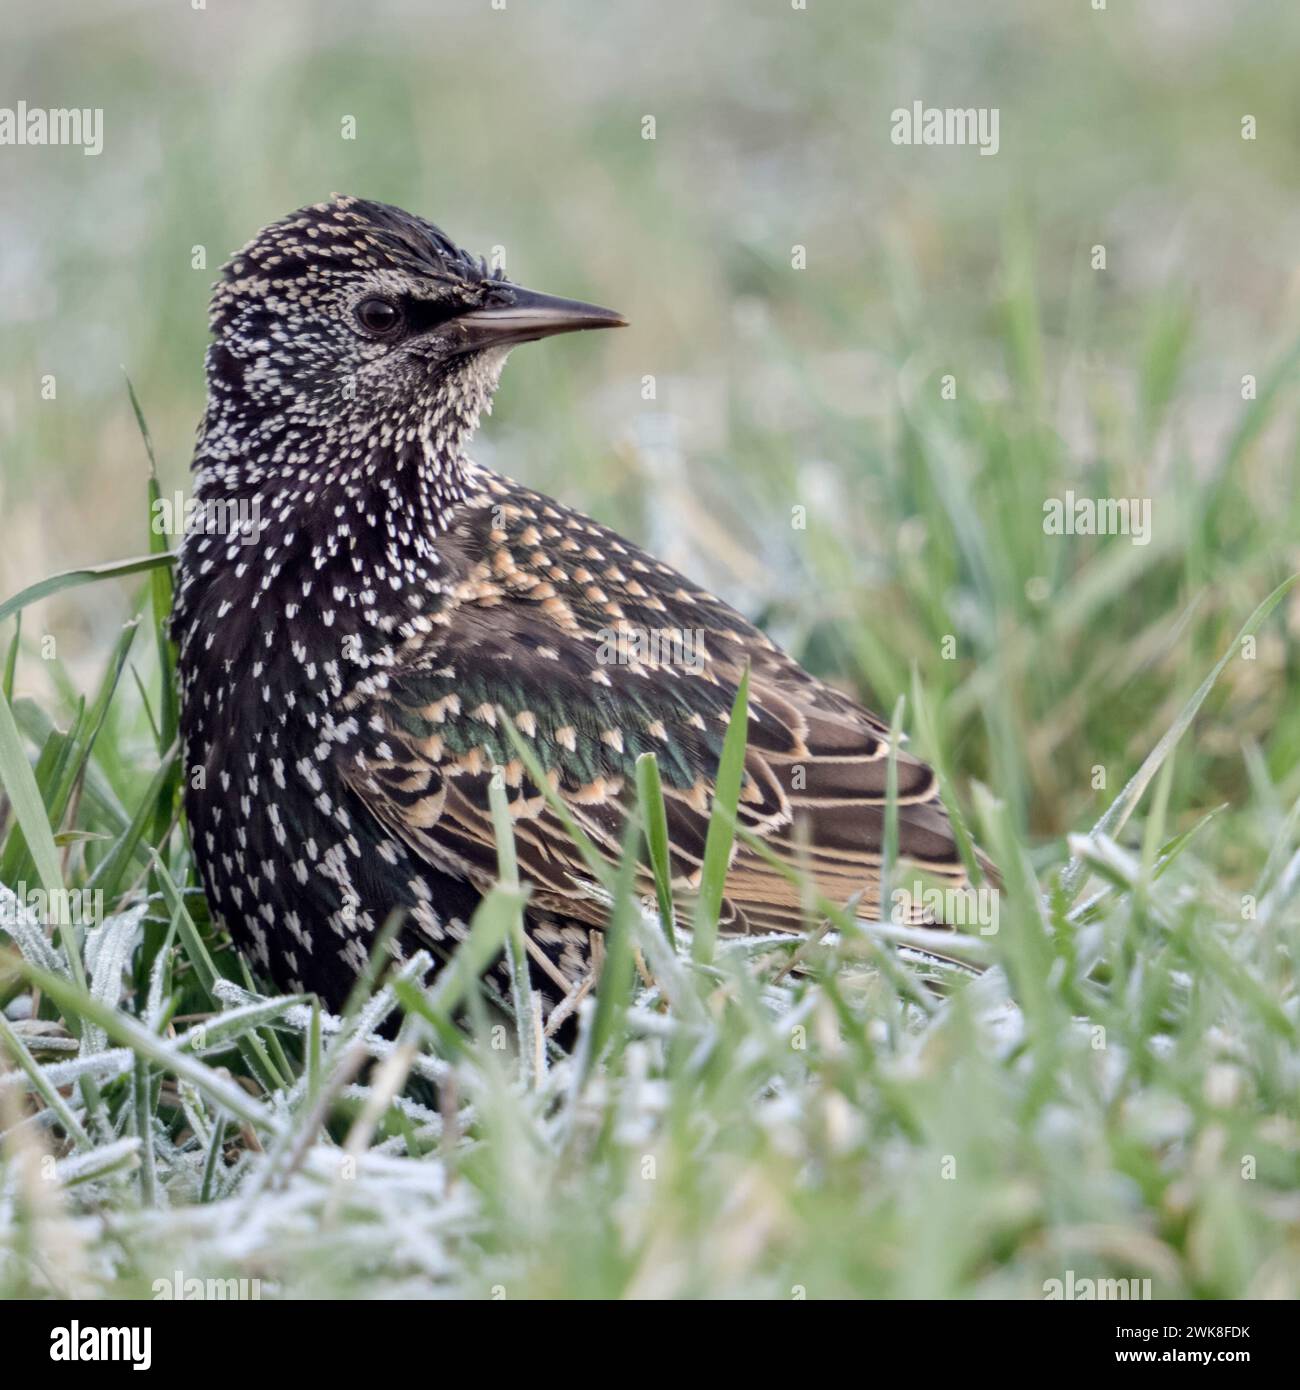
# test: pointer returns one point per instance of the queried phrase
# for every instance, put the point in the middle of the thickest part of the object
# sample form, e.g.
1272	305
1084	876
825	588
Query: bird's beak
521	316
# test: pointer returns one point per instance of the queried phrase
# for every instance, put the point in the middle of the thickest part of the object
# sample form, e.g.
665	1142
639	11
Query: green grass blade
437	1005
112	868
20	785
601	869
1117	814
224	1029
160	590
618	973
11	660
722	823
142	1108
89	574
250	1046
78	745
650	796
16	864
532	1055
937	758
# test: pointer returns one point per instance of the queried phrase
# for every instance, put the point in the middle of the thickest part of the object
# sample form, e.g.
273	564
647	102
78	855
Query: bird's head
351	314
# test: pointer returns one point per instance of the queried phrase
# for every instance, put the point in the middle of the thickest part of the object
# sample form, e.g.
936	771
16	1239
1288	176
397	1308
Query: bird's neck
327	516
324	461
337	531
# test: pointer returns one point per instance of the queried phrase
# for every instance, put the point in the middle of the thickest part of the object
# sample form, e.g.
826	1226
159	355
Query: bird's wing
596	653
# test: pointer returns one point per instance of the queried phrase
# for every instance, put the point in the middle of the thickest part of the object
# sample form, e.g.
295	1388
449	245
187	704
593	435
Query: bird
363	614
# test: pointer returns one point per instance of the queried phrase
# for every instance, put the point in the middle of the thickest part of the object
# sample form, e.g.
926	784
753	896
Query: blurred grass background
775	388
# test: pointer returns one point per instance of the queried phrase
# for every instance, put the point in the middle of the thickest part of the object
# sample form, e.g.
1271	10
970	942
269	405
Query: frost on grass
278	1188
267	1181
841	1116
279	1198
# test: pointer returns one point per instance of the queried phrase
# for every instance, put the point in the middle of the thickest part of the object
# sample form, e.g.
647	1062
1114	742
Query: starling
363	609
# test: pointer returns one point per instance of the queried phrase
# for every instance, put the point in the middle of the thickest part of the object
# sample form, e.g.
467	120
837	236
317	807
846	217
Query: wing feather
552	639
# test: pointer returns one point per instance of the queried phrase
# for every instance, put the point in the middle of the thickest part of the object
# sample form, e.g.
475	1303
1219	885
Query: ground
861	380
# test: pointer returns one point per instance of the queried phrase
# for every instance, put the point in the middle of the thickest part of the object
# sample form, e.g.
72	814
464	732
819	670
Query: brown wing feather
540	590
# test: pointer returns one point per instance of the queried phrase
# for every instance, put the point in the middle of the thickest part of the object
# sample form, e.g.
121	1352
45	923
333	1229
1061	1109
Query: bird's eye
379	317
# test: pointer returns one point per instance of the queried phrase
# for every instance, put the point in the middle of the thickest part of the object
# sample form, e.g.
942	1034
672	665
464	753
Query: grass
1112	1091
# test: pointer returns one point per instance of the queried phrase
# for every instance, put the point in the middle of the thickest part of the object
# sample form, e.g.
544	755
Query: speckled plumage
348	664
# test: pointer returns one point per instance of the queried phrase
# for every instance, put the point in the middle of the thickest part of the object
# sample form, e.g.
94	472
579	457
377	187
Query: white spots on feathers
344	460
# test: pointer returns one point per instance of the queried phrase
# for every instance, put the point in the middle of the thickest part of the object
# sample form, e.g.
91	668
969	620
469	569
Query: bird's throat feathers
331	460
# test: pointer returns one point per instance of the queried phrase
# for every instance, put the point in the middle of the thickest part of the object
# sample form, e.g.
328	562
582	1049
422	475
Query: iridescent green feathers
596	653
355	659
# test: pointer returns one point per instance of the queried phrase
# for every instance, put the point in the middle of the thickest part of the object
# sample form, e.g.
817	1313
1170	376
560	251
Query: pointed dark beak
521	316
